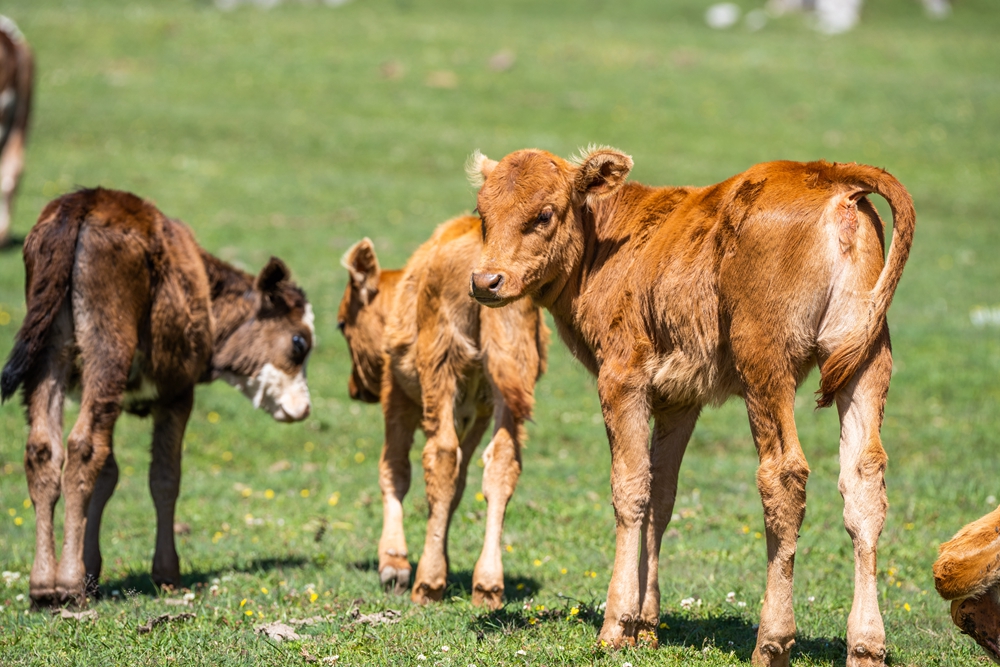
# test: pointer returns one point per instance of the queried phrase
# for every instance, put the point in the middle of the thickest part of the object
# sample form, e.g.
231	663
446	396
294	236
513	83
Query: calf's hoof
75	597
860	654
43	597
771	654
425	592
394	580
618	633
484	595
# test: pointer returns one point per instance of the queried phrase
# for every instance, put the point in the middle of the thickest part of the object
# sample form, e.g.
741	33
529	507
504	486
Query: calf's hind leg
862	484
781	480
104	487
43	461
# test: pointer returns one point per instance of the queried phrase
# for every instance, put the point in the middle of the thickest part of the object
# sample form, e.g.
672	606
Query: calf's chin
285	397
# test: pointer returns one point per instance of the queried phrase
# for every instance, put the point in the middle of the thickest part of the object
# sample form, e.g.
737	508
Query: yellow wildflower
213	417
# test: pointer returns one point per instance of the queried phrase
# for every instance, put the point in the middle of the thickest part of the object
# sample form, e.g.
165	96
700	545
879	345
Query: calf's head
266	353
531	204
362	321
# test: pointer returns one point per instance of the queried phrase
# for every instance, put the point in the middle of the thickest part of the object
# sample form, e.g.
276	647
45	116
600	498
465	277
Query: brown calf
123	304
967	572
16	81
438	360
680	297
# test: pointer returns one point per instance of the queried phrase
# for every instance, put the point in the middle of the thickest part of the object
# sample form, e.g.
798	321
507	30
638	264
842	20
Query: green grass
276	132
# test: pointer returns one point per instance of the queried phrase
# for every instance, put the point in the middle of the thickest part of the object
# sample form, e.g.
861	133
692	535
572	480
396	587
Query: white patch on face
283	396
309	319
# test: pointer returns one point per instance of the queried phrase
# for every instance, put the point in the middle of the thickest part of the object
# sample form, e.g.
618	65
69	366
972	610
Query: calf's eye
544	217
300	348
340	325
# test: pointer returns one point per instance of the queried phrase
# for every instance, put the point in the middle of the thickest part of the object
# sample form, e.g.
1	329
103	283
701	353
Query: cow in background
16	82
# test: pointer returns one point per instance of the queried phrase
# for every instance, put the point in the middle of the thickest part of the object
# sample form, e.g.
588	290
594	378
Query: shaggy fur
437	360
17	72
124	306
678	297
967	572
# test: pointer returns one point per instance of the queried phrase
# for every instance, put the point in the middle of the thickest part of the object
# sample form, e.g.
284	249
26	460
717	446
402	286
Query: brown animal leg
169	423
43	461
402	417
671	434
626	416
781	480
88	447
500	474
11	165
442	459
103	488
862	484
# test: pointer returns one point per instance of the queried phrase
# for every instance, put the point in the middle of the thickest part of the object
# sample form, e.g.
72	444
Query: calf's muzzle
485	287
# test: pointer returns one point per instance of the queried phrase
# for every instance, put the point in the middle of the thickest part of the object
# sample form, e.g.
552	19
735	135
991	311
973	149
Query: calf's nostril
496	281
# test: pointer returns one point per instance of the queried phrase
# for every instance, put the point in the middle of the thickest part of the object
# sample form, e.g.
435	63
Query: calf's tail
845	360
49	253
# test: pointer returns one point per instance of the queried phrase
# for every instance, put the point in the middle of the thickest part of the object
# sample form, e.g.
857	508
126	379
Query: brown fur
436	359
17	71
967	572
678	297
124	305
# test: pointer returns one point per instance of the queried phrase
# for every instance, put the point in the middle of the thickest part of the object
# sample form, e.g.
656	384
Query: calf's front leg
502	469
402	417
442	460
626	417
671	434
169	423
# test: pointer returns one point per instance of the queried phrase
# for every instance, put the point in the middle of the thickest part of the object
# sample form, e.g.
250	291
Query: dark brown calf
680	297
967	572
438	360
16	82
123	304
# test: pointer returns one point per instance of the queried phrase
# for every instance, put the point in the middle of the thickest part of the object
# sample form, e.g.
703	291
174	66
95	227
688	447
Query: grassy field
294	131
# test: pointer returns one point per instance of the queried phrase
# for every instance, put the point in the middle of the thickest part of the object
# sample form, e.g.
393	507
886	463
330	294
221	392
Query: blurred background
295	128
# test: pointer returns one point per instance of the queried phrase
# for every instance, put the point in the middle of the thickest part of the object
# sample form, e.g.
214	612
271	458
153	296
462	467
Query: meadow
296	130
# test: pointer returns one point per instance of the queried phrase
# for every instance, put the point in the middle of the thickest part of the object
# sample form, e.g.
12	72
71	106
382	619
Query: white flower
626	664
10	577
520	651
188	596
812	598
741	603
731	597
445	649
20	597
421	657
686	603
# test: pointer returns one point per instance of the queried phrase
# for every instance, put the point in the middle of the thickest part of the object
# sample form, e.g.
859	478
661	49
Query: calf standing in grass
123	304
437	360
967	572
17	71
680	297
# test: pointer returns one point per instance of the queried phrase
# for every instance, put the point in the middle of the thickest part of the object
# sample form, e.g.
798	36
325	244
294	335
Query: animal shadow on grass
142	583
460	581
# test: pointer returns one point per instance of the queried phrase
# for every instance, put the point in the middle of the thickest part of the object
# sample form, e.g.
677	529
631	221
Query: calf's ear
362	266
271	275
601	171
478	168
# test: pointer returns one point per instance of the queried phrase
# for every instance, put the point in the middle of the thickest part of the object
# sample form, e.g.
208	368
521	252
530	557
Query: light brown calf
438	360
16	82
967	572
678	297
124	305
